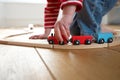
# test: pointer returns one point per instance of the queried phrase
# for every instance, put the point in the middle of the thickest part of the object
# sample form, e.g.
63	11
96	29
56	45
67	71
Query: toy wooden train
105	37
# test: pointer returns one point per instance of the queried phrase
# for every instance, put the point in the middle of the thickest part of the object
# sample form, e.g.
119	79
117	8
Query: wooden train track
22	39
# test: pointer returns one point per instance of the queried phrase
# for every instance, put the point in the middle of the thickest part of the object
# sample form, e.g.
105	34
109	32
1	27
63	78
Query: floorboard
21	63
90	64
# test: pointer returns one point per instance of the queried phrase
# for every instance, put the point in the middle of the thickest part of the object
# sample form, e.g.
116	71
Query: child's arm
61	27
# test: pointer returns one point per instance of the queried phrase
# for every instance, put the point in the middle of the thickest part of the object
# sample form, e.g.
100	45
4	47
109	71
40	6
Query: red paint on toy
76	40
52	40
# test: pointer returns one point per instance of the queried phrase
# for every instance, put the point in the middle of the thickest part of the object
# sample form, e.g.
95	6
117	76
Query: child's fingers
58	33
67	29
38	37
64	32
33	37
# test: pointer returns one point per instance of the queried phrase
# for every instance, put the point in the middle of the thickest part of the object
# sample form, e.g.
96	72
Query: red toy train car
52	40
76	40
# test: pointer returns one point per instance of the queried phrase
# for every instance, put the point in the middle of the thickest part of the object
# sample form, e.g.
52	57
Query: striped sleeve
52	10
51	14
78	3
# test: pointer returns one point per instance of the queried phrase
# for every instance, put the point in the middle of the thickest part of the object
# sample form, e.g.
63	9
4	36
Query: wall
2	14
22	14
24	1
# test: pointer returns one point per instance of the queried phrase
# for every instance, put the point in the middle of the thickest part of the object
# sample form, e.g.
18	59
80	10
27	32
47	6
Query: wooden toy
106	37
76	40
52	40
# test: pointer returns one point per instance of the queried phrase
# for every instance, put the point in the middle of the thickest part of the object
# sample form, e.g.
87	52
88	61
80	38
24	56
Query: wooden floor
29	63
25	63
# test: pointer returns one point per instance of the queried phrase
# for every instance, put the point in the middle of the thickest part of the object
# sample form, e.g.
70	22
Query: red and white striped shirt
52	10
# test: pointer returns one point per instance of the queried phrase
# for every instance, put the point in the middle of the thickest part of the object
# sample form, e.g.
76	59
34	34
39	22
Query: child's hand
41	36
61	28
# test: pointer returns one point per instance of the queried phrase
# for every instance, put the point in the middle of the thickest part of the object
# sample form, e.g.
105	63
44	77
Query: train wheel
110	40
76	42
101	41
88	42
51	42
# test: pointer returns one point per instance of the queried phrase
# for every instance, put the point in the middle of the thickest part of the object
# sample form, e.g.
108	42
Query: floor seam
53	77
